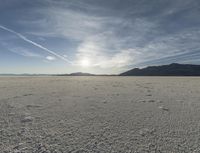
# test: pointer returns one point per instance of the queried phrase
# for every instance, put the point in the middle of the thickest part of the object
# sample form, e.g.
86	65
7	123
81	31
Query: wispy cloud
129	36
24	52
109	34
34	43
50	58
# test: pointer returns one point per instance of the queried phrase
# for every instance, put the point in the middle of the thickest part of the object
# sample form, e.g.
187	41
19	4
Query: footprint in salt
27	119
164	108
151	101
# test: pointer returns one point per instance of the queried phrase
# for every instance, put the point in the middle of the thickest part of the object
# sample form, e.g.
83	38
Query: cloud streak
35	44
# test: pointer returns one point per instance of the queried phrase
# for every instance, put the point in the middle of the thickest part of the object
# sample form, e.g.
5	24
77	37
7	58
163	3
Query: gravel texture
99	115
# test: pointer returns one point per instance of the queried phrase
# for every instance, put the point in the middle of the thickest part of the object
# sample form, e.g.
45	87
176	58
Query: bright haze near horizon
97	36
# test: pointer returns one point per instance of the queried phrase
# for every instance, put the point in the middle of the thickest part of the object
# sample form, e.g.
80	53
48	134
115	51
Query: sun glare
85	63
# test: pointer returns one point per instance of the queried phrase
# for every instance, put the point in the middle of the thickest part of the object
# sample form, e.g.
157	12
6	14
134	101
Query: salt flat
100	114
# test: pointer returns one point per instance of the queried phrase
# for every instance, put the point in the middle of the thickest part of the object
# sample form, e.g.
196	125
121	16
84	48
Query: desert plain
99	114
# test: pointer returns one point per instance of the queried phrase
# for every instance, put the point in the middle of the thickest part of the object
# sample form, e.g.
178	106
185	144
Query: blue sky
97	36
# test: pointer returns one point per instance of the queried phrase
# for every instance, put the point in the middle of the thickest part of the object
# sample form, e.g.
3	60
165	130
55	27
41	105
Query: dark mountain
173	69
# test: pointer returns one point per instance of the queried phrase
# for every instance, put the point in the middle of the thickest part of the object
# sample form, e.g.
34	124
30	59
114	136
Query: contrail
34	43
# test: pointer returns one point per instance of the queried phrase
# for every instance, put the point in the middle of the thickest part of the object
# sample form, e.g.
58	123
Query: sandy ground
99	115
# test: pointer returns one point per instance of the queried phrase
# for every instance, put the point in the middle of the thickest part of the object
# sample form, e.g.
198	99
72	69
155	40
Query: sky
97	36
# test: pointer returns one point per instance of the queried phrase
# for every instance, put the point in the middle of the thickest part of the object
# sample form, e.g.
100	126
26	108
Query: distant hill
81	74
173	69
71	74
84	74
77	74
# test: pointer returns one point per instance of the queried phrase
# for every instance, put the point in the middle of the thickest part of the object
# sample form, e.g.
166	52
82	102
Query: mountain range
173	69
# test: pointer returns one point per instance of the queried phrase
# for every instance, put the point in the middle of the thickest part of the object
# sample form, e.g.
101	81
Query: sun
85	62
